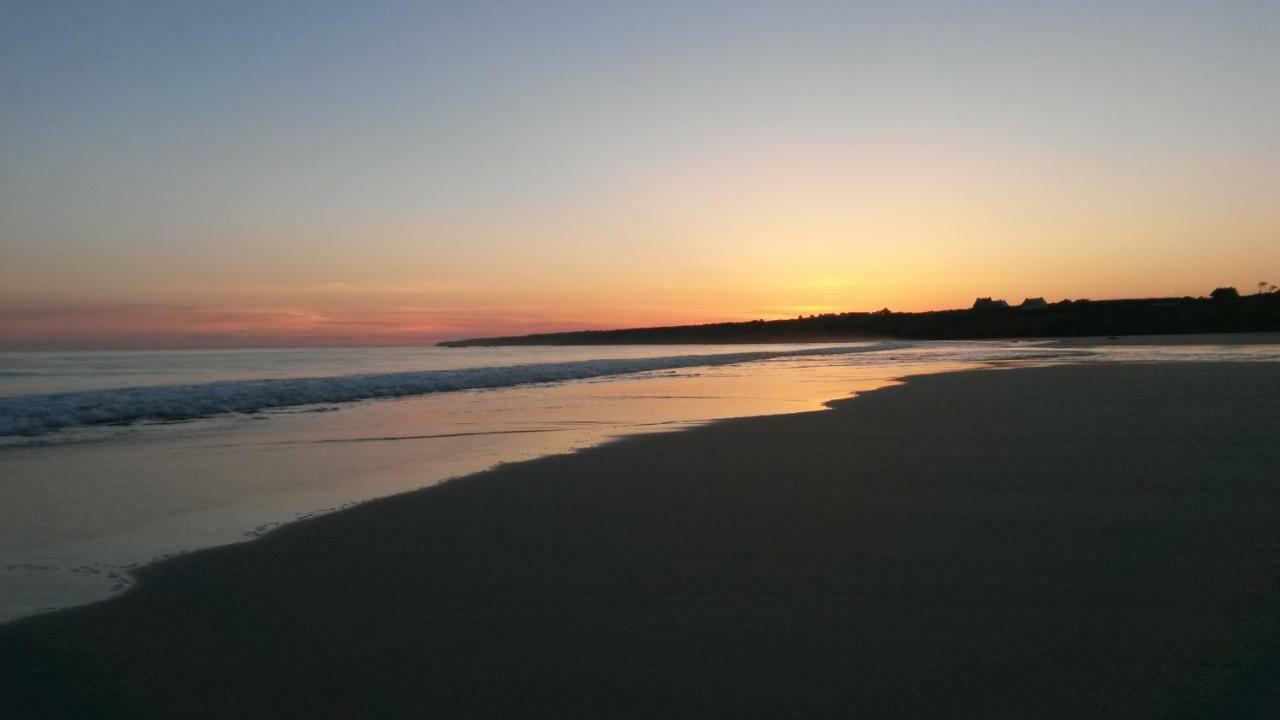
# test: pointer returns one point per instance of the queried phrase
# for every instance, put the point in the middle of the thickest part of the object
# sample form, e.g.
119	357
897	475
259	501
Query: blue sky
455	167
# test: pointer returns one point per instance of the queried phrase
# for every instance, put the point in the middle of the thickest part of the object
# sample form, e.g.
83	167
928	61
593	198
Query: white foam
37	414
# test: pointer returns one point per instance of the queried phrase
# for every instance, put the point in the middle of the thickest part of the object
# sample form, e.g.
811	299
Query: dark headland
1224	312
1096	541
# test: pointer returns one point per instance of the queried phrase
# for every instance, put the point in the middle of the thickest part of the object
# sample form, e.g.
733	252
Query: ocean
109	460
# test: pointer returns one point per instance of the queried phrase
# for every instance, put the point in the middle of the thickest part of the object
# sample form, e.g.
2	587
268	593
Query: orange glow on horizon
342	315
219	177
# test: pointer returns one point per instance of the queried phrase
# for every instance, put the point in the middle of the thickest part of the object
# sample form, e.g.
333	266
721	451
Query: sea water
109	460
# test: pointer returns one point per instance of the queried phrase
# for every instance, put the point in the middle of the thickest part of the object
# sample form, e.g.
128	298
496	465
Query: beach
83	506
1065	541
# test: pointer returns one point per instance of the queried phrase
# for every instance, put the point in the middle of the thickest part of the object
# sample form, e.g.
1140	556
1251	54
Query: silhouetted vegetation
1226	312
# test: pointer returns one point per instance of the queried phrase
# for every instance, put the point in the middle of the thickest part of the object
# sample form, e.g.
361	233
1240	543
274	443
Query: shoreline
65	537
1066	539
1236	338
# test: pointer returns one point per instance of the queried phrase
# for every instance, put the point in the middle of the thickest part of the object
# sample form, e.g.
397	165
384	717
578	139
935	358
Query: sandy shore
1097	541
1242	338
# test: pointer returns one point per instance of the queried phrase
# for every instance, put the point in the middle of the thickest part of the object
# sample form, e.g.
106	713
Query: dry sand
1097	541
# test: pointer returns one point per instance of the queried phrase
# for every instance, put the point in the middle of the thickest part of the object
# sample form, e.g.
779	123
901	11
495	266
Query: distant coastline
1224	312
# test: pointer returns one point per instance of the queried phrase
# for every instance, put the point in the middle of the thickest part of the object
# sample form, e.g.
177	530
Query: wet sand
1240	338
1099	541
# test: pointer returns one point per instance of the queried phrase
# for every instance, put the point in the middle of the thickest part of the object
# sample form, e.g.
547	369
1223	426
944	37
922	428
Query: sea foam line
38	414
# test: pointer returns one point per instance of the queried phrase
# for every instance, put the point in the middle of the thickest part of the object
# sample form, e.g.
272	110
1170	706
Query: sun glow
763	164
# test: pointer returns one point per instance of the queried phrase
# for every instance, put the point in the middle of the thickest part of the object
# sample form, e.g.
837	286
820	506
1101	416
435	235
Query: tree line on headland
1224	311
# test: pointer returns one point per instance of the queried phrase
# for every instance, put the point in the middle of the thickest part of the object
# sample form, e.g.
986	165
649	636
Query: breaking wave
37	414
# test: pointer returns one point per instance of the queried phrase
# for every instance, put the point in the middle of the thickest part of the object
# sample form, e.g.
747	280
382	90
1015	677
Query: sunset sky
227	174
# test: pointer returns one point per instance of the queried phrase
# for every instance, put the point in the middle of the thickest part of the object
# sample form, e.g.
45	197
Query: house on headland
1036	303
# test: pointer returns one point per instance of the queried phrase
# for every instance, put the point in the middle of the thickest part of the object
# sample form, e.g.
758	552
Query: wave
38	414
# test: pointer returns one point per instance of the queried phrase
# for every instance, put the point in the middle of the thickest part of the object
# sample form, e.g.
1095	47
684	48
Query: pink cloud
181	326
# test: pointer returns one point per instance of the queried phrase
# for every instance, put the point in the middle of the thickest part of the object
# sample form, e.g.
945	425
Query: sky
223	174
